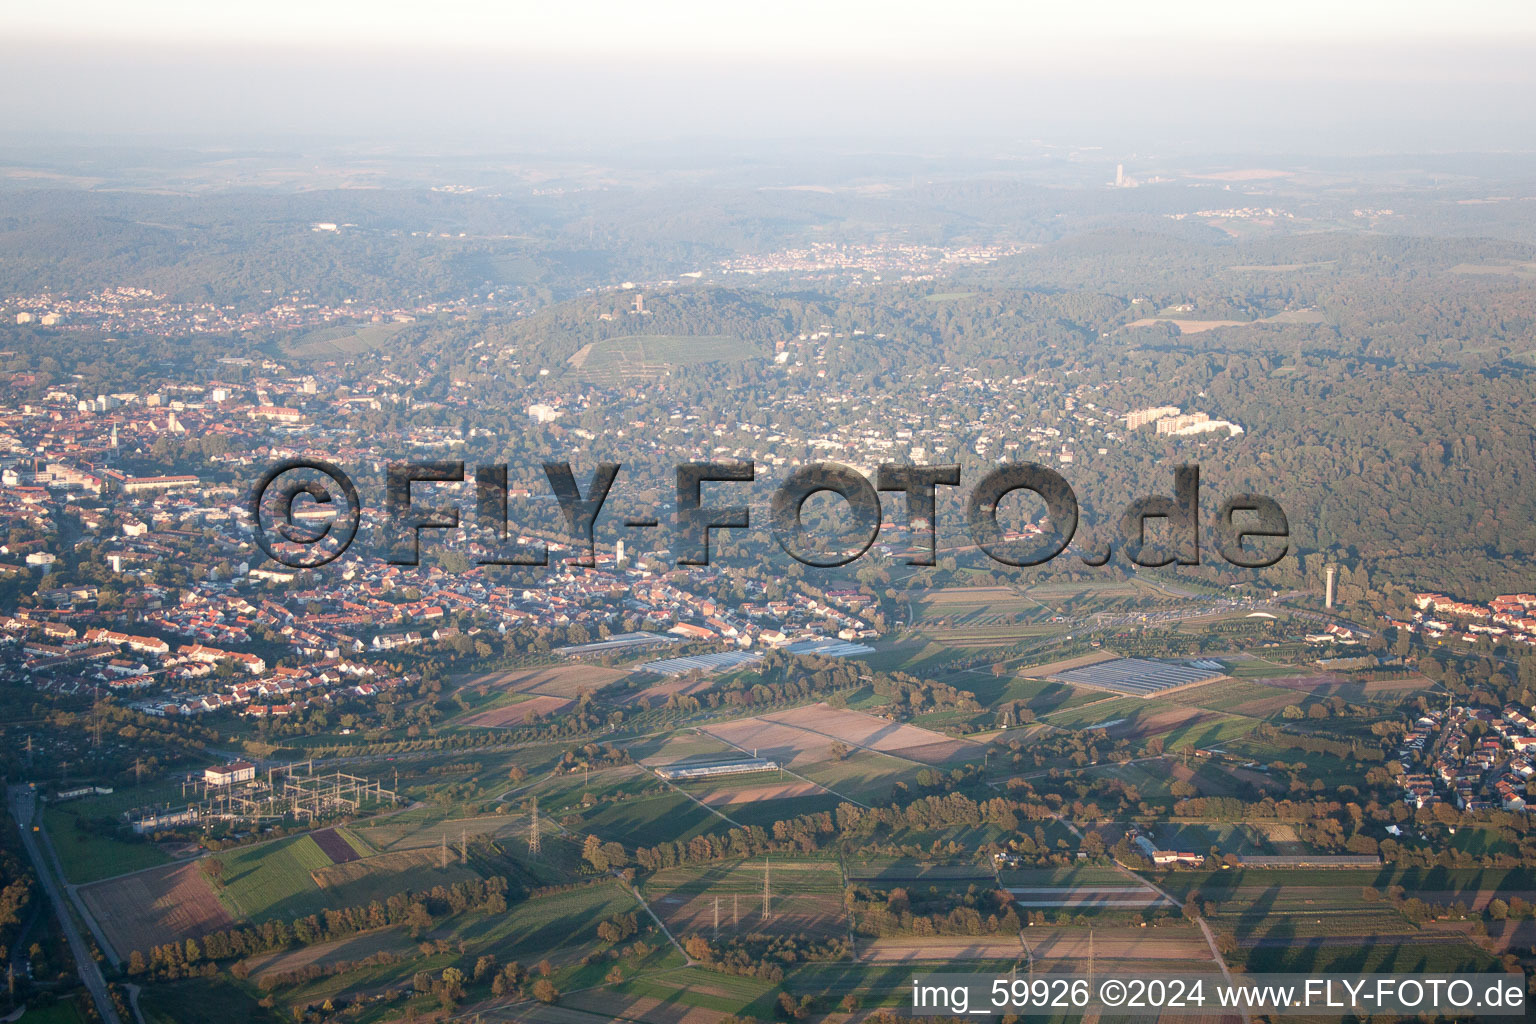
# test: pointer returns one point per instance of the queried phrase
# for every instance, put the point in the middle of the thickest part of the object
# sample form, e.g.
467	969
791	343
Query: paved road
50	875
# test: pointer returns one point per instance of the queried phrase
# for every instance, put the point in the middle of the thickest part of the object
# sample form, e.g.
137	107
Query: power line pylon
767	896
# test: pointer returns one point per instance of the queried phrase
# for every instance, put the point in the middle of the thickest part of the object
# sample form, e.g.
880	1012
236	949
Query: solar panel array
1140	677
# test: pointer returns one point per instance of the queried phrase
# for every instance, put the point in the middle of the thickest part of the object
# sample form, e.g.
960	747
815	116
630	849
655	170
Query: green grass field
1208	733
1377	958
872	985
649	820
1096	711
1085	874
561	928
65	1012
766	812
547	926
88	856
921	656
273	879
1041	696
198	1000
683	987
648	355
342	340
863	775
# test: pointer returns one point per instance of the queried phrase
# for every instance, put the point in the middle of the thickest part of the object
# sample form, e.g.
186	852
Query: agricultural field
1072	590
807	897
1044	670
1168	946
922	656
1140	719
1239	697
325	954
516	711
1474	887
986	635
974	606
1061	878
765	813
560	928
688	995
649	820
1241	839
296	876
672	748
557	927
1039	695
1088	899
940	949
428	828
784	744
1251	666
745	791
657	693
567	791
874	984
152	907
566	680
862	776
377	878
909	871
1100	711
1354	689
1388	955
805	735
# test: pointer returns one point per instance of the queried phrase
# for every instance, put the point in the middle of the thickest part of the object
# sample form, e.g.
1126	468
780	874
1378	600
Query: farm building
683	772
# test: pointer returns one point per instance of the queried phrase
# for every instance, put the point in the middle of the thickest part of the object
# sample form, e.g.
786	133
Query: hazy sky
1364	75
994	29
